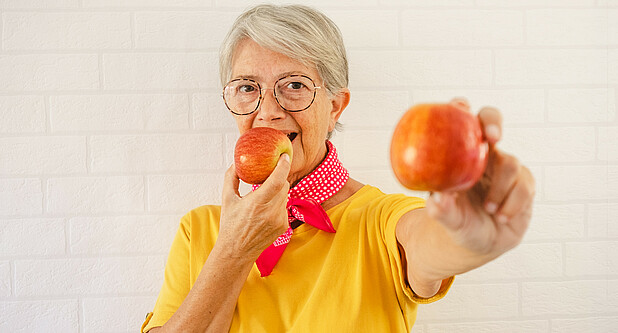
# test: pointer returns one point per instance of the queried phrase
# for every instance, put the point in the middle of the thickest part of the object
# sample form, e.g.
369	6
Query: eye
295	85
246	88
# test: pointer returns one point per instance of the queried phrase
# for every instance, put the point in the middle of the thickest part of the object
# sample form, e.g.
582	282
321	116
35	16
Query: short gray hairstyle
299	32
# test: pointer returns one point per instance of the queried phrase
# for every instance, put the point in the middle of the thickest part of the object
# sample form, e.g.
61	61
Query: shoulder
201	220
374	198
371	203
204	212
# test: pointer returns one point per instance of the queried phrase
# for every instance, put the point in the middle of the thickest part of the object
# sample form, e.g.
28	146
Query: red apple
257	153
438	147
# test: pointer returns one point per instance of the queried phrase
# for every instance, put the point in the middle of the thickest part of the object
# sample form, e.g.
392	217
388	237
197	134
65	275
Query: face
311	126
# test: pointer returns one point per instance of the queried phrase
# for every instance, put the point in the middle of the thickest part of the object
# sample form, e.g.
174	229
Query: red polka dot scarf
304	205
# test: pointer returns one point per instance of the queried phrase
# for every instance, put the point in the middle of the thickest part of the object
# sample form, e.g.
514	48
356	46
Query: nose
269	109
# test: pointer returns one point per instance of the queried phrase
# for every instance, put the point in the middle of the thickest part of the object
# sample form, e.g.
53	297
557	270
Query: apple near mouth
438	147
257	152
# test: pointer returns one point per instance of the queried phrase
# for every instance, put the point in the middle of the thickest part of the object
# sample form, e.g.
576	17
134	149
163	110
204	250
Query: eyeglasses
293	93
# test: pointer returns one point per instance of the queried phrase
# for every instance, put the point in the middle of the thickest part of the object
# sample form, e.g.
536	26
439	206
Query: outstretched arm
459	231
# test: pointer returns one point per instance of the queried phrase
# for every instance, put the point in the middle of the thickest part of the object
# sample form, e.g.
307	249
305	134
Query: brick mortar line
535	280
540	318
408	49
354	87
1	30
86	256
76	297
194	173
345	8
146	194
197	132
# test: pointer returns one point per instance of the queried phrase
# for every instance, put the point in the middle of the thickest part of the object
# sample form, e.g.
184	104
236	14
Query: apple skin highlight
257	152
438	147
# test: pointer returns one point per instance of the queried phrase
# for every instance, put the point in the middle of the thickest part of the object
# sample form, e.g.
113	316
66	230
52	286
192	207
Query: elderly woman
311	249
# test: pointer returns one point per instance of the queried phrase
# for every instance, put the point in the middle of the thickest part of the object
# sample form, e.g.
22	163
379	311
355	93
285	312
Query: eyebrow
255	77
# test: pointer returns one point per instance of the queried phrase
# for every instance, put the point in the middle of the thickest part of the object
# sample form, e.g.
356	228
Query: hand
251	223
491	217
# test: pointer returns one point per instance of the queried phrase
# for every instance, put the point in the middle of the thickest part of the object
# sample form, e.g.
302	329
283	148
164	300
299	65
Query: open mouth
292	136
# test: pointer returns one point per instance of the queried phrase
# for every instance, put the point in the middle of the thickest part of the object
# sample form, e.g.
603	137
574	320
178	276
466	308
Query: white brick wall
462	28
37	72
534	67
126	311
5	279
80	195
42	155
128	112
46	237
576	297
22	114
45	31
181	30
577	105
112	127
40	316
153	71
88	276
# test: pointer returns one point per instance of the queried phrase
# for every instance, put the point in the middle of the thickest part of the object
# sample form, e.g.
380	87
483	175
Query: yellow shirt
349	281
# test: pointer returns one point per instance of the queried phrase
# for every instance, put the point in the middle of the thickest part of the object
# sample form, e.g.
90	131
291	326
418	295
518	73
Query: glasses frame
315	88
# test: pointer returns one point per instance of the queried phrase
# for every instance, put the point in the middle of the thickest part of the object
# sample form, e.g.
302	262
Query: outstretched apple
438	147
257	153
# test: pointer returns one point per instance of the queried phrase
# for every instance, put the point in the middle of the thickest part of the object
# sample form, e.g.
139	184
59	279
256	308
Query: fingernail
491	207
286	157
502	219
492	131
461	102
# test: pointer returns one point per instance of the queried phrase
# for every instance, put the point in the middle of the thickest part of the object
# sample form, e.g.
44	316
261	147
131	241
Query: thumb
442	206
277	181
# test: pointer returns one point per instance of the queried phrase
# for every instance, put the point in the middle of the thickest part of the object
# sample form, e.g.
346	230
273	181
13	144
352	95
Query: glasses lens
242	96
295	92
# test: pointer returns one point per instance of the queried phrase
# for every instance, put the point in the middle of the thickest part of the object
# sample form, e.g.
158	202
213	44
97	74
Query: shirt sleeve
394	208
176	283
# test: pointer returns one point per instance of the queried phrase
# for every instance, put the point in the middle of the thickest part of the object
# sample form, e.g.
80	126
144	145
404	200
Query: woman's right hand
251	223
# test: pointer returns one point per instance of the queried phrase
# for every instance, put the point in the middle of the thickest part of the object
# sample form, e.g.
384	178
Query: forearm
432	254
210	304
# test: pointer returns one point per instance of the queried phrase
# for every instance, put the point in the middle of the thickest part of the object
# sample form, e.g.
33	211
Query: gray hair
299	32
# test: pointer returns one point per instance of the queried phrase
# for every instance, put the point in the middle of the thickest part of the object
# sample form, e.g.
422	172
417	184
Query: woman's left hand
491	217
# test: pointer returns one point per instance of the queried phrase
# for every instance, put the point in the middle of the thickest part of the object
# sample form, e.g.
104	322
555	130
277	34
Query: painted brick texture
112	127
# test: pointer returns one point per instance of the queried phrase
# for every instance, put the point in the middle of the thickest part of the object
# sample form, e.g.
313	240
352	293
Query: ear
339	102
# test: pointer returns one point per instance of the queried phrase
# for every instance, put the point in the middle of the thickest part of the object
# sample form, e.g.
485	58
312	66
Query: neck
294	180
351	186
324	181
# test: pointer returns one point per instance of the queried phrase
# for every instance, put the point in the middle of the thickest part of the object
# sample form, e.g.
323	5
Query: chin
295	174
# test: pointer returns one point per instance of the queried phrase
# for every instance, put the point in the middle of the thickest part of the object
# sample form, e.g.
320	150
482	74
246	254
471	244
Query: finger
505	170
519	199
491	123
441	206
277	181
461	103
230	184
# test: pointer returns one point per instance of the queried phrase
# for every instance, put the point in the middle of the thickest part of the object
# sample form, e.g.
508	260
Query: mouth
292	136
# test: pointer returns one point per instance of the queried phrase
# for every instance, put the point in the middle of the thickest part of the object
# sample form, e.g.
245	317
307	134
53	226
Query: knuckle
278	183
509	164
230	172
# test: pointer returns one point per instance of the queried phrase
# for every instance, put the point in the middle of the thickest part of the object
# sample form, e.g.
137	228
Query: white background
112	128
